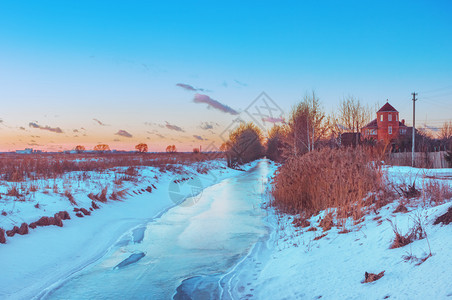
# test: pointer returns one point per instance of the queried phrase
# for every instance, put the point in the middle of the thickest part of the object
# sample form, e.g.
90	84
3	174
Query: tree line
310	128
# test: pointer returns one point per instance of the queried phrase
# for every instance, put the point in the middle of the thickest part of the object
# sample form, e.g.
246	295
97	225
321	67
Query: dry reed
328	178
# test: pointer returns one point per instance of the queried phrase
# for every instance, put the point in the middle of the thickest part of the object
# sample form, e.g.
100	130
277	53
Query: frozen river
195	244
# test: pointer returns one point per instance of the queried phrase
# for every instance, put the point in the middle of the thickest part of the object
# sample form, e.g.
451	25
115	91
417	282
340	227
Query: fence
433	160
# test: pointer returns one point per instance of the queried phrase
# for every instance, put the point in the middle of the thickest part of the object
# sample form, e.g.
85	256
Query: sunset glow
80	73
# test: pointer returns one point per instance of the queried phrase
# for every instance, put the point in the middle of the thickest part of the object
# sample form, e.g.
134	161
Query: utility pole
414	128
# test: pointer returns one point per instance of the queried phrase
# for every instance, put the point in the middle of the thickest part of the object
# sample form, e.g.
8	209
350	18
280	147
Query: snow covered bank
33	262
297	263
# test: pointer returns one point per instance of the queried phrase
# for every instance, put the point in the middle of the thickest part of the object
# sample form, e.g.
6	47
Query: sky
184	73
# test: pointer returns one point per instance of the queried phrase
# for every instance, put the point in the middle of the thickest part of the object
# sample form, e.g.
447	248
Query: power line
436	90
438	96
438	103
431	120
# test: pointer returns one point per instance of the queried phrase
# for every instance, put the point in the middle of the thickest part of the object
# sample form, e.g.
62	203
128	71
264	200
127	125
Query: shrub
275	143
416	232
245	144
445	218
437	191
70	197
13	192
102	196
131	171
328	178
202	169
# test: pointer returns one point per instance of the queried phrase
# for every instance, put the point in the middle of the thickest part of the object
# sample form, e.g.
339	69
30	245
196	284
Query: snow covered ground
33	262
293	264
287	262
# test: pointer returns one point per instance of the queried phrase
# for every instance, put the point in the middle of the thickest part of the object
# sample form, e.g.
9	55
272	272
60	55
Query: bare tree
445	134
446	131
352	116
308	124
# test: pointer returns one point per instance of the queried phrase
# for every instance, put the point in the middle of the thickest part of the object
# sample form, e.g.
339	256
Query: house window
397	118
373	132
402	131
389	117
381	118
390	129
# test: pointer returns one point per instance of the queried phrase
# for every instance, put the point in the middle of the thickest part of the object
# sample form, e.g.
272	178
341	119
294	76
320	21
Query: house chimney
403	121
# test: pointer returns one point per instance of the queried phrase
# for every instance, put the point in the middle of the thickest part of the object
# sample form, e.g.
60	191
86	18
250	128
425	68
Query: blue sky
65	63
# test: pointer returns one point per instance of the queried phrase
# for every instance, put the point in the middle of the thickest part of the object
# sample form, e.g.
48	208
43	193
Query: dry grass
329	178
445	218
327	221
13	191
416	232
301	222
102	196
117	195
371	277
70	197
320	237
437	191
19	167
414	259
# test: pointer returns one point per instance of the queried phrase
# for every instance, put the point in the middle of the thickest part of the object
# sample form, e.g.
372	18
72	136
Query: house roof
387	107
371	124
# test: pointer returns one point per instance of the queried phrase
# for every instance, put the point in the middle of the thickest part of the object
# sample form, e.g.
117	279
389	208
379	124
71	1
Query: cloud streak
154	124
211	103
156	133
100	122
123	133
48	128
207	125
240	83
173	127
189	87
198	137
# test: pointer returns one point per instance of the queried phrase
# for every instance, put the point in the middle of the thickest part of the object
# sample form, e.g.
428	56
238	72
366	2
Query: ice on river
206	238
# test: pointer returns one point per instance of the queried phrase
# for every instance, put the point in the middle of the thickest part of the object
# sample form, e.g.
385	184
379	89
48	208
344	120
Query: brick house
386	127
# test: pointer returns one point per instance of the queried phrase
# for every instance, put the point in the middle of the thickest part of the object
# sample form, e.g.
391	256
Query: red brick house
386	127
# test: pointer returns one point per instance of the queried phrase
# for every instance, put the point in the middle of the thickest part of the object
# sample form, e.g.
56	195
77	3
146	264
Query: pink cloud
200	98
